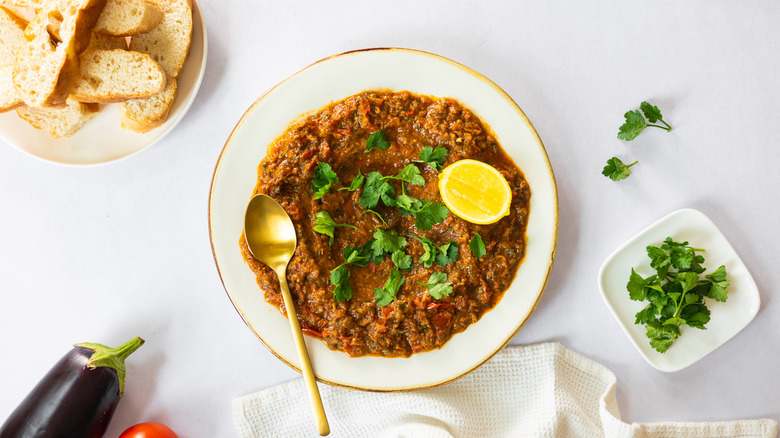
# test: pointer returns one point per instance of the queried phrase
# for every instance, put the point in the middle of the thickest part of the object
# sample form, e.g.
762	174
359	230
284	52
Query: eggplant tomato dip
382	267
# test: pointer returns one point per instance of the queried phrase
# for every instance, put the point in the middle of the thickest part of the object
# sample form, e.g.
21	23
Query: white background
105	253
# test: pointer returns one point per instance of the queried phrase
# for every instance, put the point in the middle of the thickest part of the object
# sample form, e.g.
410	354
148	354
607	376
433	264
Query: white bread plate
102	139
333	79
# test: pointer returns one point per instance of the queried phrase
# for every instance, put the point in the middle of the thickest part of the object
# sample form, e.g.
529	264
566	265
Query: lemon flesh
475	191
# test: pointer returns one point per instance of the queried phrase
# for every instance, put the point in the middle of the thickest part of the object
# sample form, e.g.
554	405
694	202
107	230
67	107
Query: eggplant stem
113	358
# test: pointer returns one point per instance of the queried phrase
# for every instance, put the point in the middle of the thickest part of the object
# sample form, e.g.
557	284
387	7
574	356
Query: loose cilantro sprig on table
635	121
616	170
675	292
324	224
324	178
437	285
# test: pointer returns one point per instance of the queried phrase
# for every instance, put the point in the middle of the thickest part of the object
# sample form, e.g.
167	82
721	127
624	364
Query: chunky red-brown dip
415	321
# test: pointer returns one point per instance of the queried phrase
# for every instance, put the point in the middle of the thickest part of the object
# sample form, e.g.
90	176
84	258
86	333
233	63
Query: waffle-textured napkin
533	391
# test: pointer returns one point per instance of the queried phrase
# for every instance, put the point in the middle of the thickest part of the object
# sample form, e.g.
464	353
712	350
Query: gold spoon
270	236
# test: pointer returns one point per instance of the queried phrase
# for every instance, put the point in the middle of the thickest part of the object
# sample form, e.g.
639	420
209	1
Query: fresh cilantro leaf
636	123
616	170
720	286
653	114
324	224
386	294
401	260
354	256
633	126
438	286
356	183
638	287
367	251
433	212
339	277
429	252
434	157
387	242
377	140
477	246
447	253
324	178
410	174
376	188
407	204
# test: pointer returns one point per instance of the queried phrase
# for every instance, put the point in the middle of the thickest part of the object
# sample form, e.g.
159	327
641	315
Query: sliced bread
128	17
46	65
169	42
8	98
169	45
106	42
109	76
143	115
11	36
59	122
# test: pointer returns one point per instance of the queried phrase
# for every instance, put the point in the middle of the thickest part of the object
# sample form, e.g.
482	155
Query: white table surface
106	253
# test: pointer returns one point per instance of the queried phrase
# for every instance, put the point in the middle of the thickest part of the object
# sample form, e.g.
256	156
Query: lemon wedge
475	191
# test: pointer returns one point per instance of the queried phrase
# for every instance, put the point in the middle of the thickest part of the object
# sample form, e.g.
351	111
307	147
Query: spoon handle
308	373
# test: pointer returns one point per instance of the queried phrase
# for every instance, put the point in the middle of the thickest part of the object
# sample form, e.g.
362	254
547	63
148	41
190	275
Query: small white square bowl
727	318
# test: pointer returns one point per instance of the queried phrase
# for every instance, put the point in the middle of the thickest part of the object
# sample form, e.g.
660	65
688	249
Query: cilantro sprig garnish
435	157
477	246
437	285
637	120
616	170
356	183
324	178
441	255
324	224
386	294
377	140
675	292
339	277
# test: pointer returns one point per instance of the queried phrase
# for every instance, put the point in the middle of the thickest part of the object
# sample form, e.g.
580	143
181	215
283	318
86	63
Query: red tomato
149	430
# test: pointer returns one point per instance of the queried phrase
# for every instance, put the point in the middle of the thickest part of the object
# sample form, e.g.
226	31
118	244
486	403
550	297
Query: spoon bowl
270	236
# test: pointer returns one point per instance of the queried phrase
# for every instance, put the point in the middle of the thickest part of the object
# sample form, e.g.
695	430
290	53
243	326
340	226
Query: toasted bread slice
128	17
46	66
11	36
109	76
60	122
143	115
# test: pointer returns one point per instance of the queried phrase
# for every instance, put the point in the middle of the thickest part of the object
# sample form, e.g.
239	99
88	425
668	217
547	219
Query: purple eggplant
78	396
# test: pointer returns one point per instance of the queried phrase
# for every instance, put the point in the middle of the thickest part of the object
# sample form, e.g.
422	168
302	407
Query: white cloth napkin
534	391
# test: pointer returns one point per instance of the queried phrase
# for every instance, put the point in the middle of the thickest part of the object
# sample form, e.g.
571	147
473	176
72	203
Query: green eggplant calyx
113	358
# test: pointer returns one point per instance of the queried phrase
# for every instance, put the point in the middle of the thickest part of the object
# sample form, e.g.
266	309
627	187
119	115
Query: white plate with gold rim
333	79
102	139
